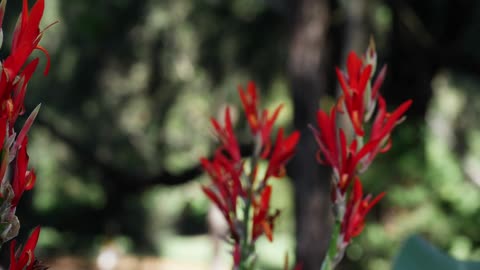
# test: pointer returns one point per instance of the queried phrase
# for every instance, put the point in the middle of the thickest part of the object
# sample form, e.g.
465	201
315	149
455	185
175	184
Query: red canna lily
18	95
358	96
15	73
224	209
327	140
250	102
260	125
384	121
24	259
349	158
282	151
235	187
23	179
382	127
337	153
353	86
357	209
226	188
227	137
225	178
262	221
26	38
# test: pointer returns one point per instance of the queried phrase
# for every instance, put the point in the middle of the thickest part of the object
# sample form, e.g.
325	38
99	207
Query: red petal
20	95
214	198
342	81
266	193
267	228
375	201
216	125
357	190
354	63
36	14
47	55
365	77
252	90
32	240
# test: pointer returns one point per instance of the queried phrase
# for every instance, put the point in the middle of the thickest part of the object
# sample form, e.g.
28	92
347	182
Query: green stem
335	253
247	248
328	263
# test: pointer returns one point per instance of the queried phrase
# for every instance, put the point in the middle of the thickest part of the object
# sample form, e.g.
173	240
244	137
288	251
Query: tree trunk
356	28
307	65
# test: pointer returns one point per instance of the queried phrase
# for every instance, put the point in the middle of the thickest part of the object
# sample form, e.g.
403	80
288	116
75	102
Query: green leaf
418	254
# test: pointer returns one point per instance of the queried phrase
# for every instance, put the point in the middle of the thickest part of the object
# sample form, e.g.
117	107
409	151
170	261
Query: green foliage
418	254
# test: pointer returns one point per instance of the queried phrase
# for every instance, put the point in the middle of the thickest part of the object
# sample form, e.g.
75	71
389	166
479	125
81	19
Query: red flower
25	259
349	159
227	137
262	221
225	171
354	86
231	183
23	179
26	37
19	90
343	158
15	75
226	188
250	102
382	127
327	140
357	209
260	125
282	151
225	178
224	209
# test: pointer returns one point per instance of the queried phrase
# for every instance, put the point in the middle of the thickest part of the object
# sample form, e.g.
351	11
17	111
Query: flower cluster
15	73
241	194
349	157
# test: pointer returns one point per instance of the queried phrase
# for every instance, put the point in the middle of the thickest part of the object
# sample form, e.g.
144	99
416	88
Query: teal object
418	254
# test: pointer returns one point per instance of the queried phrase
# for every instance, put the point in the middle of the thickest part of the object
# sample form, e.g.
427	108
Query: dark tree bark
356	28
307	63
412	62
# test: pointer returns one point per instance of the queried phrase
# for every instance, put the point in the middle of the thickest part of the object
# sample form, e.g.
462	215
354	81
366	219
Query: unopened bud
371	55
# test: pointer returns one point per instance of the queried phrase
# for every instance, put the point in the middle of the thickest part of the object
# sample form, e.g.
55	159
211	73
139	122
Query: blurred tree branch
128	181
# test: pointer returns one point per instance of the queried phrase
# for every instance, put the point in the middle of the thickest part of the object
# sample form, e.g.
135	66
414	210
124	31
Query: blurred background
133	83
